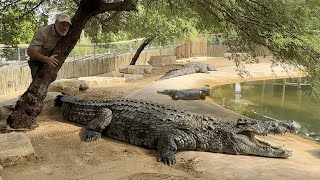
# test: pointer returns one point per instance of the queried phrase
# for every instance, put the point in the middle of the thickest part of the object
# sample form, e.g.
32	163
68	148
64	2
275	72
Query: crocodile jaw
247	144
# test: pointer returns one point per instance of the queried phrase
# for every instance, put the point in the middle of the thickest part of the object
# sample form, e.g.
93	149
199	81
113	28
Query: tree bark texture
30	104
140	49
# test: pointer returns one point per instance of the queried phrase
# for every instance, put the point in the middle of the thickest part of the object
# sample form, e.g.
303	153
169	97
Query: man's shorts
35	67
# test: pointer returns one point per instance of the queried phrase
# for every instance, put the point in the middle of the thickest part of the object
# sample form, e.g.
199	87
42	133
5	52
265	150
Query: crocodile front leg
96	126
170	141
167	149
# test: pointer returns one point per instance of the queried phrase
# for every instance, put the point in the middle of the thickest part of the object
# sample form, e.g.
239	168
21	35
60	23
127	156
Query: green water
282	99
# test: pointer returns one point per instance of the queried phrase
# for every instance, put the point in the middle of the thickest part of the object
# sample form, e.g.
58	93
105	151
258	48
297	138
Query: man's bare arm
35	55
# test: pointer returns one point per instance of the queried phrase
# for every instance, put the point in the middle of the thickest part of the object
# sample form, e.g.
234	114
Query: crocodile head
247	143
211	67
170	92
205	90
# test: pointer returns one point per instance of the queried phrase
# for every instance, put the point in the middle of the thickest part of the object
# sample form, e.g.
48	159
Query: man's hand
52	61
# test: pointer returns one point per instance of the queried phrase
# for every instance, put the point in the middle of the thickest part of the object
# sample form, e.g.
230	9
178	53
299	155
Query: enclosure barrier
19	77
92	60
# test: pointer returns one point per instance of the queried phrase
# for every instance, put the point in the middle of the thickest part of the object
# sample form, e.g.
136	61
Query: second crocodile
187	94
190	68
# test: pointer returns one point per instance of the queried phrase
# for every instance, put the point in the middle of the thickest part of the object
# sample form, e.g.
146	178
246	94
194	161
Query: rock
162	60
131	77
71	86
52	95
6	108
114	74
10	104
15	148
135	69
68	86
95	80
84	86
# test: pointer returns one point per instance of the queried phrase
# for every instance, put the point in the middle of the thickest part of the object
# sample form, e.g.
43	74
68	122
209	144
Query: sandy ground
61	154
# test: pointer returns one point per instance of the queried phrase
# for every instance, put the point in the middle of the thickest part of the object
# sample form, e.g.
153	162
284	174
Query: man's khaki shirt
45	40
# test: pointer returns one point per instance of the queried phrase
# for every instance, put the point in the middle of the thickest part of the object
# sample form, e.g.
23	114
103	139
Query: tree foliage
153	19
289	29
18	21
286	28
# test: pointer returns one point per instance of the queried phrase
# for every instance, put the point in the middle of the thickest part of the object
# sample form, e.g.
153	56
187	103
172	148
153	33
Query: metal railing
13	54
9	55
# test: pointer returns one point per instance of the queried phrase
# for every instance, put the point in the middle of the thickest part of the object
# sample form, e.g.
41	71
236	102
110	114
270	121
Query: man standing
44	41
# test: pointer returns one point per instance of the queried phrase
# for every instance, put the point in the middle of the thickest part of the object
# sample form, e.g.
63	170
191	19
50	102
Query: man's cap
63	17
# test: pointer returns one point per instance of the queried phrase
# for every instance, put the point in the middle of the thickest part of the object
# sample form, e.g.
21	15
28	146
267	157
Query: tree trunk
140	49
30	104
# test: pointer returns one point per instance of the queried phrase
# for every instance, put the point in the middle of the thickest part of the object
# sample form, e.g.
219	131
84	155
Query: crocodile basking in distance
168	129
187	94
190	68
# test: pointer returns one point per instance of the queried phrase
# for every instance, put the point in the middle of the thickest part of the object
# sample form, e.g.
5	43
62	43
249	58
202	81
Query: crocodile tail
57	101
173	73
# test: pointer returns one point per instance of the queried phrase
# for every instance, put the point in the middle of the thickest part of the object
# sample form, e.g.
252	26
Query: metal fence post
19	56
74	53
94	51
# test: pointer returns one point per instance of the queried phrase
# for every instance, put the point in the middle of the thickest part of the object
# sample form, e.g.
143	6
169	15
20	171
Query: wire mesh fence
18	54
13	54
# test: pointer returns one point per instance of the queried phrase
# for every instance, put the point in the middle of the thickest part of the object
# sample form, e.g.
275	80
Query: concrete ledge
15	148
81	83
162	60
68	86
135	69
114	74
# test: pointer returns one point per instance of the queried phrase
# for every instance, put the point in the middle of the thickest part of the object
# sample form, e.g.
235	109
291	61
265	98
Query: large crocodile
168	129
187	94
190	68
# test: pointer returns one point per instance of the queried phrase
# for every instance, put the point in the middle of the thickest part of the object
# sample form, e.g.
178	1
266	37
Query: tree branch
126	5
28	11
107	19
3	9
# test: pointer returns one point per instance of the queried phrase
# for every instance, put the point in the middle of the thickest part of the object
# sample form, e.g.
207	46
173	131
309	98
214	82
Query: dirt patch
62	155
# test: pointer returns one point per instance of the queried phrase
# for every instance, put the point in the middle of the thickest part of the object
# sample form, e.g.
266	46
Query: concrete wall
220	50
195	47
19	77
216	50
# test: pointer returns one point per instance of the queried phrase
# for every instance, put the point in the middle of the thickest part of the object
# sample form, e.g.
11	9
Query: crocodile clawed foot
90	135
175	97
168	160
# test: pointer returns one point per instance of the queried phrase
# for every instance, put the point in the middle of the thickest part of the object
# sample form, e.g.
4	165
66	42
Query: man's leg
35	67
